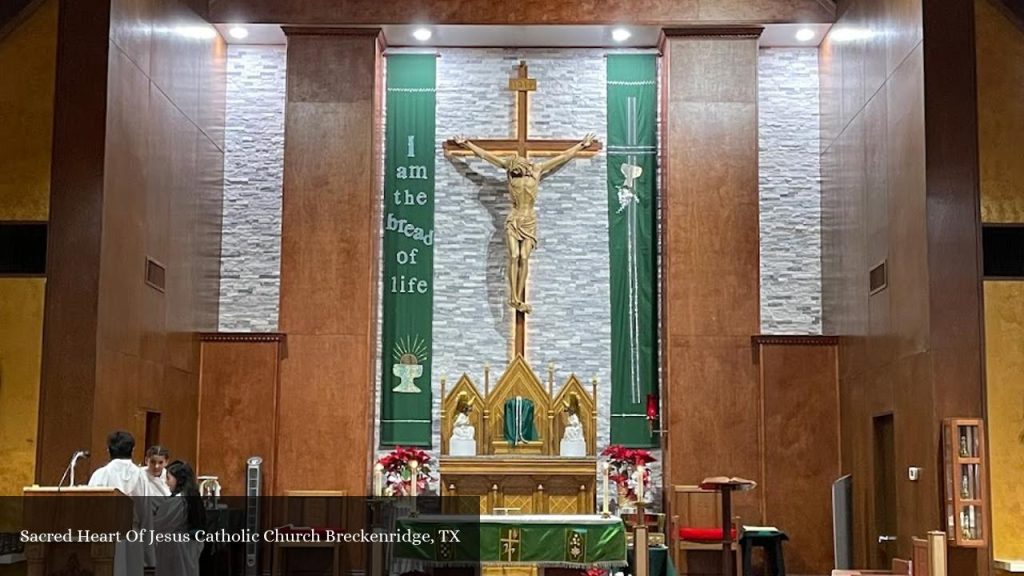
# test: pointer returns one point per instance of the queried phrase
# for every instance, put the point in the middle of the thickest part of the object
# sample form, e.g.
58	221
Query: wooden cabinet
963	447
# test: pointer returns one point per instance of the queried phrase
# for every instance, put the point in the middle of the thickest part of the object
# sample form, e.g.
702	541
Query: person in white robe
156	488
182	513
124	475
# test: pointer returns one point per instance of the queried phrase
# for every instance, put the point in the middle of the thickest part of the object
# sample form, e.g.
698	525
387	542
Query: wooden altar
529	477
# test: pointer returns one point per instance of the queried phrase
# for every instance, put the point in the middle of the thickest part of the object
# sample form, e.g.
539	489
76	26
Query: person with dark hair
121	473
156	474
181	513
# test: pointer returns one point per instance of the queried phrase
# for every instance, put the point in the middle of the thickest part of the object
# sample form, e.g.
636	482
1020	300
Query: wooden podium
67	511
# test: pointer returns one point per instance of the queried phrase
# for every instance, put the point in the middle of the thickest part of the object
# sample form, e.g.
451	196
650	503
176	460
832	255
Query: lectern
75	519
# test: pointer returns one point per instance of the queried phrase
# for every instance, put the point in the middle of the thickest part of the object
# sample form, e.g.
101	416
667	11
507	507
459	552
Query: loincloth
522	226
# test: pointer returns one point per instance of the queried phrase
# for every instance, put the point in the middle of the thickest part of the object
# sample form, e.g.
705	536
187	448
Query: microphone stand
71	468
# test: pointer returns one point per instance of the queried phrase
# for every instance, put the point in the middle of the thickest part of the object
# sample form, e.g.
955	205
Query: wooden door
884	529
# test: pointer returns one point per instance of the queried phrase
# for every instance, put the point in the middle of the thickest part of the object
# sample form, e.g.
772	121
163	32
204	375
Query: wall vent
156	274
878	278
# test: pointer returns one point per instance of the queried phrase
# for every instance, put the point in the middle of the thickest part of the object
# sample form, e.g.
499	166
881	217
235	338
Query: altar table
567	541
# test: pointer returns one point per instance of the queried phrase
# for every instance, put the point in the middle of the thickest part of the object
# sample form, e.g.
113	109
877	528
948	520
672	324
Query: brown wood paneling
152	186
238	405
913	348
131	28
714	415
801	459
324	391
609	12
711	279
329	259
713	210
68	371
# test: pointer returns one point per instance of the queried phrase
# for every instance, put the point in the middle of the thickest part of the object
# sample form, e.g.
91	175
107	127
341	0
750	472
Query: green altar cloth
567	541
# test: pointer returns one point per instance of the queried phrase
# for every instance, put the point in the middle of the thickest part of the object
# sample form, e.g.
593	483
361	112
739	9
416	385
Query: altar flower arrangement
594	571
397	471
622	467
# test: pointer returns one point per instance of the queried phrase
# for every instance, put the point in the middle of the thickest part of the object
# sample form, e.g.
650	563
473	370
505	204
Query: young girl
180	513
156	473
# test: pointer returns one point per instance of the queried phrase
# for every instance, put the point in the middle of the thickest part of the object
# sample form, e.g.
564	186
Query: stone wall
253	167
790	189
568	286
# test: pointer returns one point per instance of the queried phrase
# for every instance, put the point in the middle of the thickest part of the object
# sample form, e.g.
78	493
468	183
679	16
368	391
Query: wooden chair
692	507
310	509
929	559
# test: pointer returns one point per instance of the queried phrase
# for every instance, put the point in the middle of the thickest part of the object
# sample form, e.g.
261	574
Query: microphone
71	467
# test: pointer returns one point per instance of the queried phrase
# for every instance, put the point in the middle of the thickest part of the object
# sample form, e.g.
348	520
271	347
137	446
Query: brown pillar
711	280
330	230
68	374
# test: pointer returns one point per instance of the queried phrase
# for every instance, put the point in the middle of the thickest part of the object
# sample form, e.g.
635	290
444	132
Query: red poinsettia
594	571
398	472
622	466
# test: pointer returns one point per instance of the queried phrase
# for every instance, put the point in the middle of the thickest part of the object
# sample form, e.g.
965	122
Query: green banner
632	223
408	251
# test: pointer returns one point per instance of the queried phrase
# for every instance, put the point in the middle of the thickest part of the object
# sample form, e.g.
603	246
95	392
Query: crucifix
524	176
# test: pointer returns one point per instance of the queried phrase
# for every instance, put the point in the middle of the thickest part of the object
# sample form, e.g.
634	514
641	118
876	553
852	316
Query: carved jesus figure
521	225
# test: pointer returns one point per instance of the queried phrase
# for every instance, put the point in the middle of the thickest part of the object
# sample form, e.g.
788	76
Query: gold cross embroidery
510	544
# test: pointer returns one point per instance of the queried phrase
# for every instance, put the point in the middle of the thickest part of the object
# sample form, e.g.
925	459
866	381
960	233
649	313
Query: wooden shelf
967	517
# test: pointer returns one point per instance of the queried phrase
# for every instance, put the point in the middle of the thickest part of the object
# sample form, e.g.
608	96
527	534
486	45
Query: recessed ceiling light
238	32
805	35
621	34
422	34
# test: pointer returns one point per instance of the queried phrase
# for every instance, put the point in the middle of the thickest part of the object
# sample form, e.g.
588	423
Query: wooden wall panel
151	187
330	229
893	188
711	250
73	245
800	424
608	12
238	406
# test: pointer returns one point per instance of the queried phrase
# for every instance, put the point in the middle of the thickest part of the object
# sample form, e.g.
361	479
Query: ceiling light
422	34
238	33
805	35
621	34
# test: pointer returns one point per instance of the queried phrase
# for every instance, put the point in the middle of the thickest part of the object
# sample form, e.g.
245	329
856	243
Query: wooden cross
524	146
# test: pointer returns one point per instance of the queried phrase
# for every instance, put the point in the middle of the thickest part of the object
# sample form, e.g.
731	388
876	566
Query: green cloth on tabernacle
591	541
519	426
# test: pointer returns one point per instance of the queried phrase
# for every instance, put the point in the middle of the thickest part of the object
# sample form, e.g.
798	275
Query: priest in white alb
124	475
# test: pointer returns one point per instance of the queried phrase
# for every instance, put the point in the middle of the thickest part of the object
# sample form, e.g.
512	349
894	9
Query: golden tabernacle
520	447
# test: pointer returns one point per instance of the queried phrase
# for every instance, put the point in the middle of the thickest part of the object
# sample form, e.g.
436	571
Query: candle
604	504
378	480
640	484
414	477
